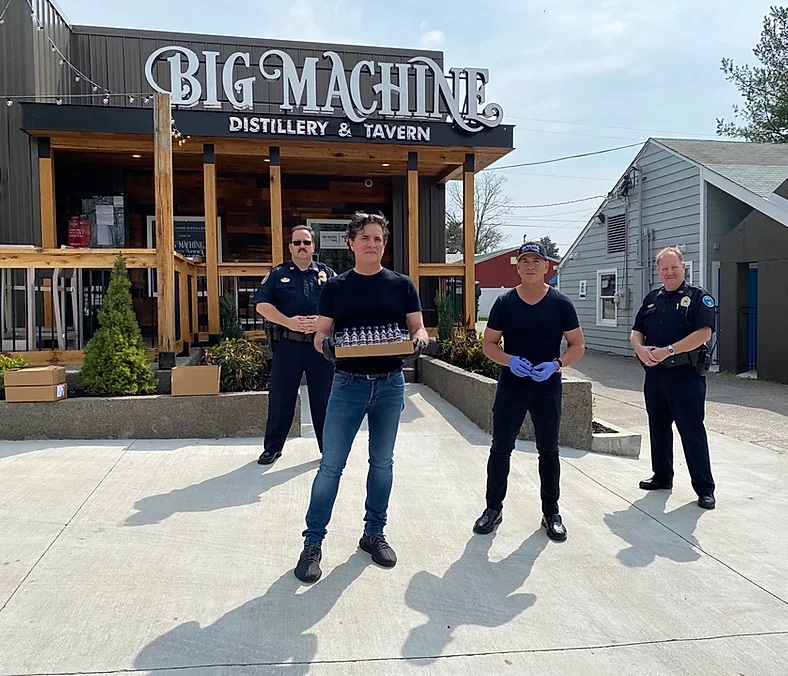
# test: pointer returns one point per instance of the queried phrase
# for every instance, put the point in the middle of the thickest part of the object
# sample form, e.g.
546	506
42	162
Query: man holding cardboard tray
361	317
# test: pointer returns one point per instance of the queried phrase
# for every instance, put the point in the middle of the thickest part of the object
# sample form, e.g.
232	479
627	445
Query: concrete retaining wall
473	395
237	414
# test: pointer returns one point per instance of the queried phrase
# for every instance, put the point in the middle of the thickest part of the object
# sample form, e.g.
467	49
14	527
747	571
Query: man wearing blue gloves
532	319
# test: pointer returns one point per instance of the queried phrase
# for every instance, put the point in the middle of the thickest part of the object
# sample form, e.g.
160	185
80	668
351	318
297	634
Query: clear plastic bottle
345	338
376	337
353	337
362	336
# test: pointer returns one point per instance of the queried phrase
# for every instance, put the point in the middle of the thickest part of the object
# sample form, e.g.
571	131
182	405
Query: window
616	233
583	286
607	297
688	271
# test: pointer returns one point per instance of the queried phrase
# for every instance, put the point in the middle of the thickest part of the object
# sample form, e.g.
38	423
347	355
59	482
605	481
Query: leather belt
297	336
369	376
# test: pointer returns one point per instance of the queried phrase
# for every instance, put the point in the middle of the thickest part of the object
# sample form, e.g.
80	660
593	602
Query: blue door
751	311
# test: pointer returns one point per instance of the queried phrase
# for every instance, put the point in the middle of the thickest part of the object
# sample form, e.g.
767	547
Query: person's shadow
242	486
647	527
270	631
473	591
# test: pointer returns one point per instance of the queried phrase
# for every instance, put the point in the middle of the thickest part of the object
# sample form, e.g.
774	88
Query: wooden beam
413	217
46	193
275	190
469	240
195	308
165	235
211	239
442	269
451	173
75	258
45	357
244	269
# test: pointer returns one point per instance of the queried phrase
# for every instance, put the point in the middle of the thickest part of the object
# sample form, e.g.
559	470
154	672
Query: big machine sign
462	92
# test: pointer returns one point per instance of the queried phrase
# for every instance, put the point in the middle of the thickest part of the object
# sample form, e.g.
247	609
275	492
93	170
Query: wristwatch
560	363
671	350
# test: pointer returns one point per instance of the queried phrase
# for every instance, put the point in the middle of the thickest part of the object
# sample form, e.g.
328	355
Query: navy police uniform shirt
292	291
668	316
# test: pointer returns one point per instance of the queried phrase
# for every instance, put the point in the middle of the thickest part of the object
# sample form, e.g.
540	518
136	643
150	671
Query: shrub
9	362
244	364
465	351
231	324
116	360
445	309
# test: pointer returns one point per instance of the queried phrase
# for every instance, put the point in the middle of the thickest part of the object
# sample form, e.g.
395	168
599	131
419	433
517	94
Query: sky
574	76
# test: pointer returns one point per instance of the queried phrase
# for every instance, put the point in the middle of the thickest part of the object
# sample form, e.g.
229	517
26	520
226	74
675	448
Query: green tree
231	324
764	115
550	246
491	208
116	360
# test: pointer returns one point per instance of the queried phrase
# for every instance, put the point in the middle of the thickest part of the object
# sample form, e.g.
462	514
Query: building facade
722	203
266	135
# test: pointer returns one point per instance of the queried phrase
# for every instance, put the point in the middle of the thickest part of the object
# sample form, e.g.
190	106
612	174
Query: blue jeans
353	397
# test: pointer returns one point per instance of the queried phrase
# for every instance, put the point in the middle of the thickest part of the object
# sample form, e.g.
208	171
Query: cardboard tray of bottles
373	342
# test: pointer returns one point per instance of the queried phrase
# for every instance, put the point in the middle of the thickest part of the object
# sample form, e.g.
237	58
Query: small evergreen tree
231	324
116	361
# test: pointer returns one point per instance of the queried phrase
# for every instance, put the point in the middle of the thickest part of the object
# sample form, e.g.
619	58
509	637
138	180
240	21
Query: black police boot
555	527
487	522
707	502
308	567
654	484
267	457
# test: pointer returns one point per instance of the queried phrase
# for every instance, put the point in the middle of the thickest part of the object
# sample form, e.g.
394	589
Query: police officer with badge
669	336
287	299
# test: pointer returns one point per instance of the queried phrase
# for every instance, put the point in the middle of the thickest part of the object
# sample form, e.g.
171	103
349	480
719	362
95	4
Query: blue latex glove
520	367
544	370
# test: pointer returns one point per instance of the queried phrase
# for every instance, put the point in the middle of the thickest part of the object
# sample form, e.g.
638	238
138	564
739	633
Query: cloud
432	40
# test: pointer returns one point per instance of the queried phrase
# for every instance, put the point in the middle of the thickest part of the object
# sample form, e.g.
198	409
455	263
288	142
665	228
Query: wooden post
413	217
211	242
469	240
195	309
165	234
183	297
46	193
275	190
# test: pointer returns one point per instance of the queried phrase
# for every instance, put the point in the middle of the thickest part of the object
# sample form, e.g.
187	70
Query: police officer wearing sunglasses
287	299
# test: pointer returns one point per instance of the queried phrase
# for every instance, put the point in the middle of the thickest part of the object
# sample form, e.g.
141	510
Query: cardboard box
191	381
35	376
36	393
401	348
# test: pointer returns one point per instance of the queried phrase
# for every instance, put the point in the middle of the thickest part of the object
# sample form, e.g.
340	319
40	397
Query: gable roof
759	167
480	258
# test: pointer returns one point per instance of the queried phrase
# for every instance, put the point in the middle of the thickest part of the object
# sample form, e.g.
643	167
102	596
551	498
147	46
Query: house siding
669	188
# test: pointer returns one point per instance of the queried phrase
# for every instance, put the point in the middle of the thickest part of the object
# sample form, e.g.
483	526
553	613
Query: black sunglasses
299	242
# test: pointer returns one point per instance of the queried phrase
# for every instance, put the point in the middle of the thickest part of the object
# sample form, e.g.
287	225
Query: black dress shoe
555	527
487	522
268	457
654	484
707	502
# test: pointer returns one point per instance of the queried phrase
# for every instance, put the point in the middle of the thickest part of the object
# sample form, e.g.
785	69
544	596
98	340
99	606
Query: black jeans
511	405
678	395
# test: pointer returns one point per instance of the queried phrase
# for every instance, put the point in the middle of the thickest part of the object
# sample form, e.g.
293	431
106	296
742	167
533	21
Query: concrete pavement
177	556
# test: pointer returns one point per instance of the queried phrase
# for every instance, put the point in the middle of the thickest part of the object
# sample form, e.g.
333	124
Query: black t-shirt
355	301
668	316
533	331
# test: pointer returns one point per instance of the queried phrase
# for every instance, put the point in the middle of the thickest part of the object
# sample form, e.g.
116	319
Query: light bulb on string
59	102
77	78
62	61
95	88
131	99
9	103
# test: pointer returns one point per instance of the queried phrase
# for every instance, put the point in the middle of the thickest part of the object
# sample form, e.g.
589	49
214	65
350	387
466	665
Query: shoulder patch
708	301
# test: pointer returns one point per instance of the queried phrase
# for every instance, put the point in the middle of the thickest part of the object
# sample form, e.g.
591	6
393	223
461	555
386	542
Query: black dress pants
512	402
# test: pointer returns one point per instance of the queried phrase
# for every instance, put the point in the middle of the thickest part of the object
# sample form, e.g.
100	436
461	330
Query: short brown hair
670	250
360	219
296	228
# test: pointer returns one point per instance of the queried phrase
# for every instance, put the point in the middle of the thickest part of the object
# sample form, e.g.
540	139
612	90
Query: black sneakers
268	457
707	502
308	568
380	550
555	527
487	522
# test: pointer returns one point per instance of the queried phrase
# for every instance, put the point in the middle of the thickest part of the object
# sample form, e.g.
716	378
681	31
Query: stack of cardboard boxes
44	383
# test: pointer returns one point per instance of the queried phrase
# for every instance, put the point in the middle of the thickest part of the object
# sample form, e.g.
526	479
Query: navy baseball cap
532	247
